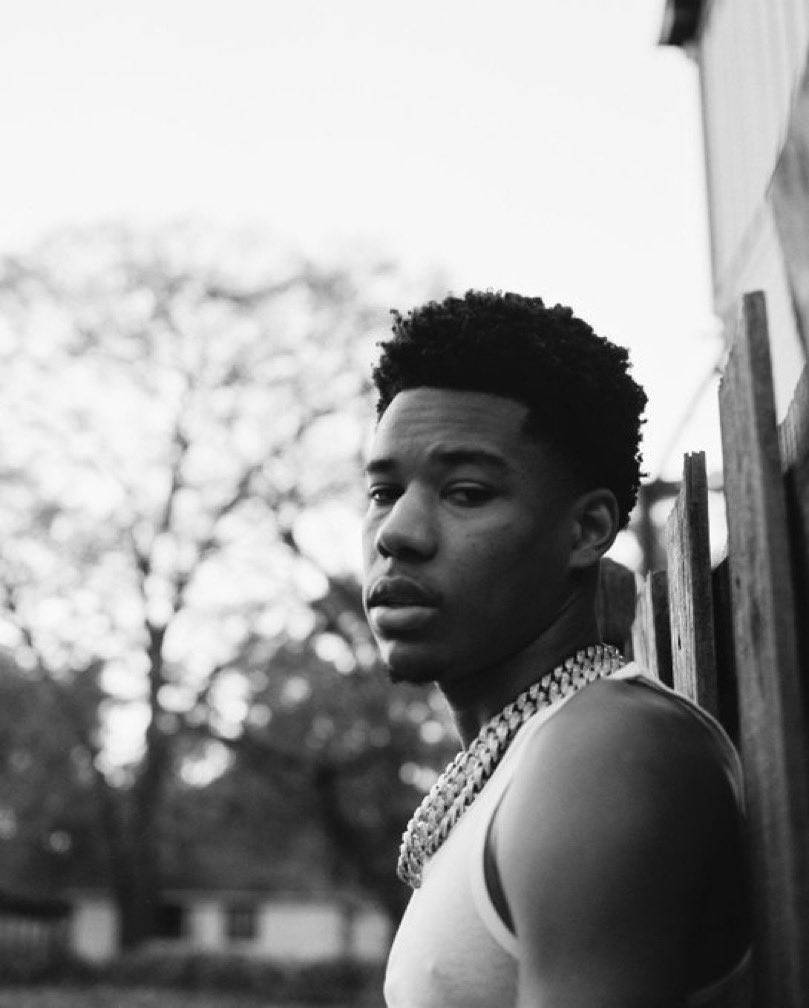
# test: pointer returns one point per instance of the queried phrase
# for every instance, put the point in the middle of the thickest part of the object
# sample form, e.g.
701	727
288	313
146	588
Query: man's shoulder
615	819
624	719
621	776
621	736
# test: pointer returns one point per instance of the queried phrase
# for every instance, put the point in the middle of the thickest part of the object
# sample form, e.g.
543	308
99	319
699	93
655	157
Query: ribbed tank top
452	949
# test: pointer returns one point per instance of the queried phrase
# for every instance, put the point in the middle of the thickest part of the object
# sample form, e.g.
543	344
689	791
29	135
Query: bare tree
172	408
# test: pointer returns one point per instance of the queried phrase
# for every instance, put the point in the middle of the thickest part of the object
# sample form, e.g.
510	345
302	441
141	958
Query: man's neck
476	698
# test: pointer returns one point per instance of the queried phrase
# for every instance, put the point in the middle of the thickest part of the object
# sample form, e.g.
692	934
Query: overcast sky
544	146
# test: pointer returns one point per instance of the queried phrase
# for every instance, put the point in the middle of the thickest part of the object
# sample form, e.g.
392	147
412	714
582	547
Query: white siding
796	22
300	932
752	56
206	923
288	931
761	268
371	936
94	928
308	932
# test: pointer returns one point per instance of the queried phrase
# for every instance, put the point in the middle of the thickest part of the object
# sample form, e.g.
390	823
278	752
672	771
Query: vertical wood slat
690	596
651	631
773	737
793	436
727	693
793	433
615	604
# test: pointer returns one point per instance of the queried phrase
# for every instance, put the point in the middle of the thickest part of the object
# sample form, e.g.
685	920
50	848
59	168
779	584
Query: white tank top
452	949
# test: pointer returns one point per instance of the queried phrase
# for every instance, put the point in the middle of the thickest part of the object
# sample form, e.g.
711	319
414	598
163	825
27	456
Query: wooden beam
773	735
651	631
690	597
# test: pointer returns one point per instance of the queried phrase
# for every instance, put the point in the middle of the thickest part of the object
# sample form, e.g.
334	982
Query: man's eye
469	494
383	494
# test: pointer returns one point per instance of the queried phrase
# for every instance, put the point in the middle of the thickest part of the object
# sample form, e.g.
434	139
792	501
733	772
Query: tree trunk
129	826
136	897
138	881
354	848
132	857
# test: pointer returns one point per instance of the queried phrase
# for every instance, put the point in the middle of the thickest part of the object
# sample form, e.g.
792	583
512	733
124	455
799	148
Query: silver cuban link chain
463	778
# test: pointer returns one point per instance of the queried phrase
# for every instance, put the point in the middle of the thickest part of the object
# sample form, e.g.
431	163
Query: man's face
467	535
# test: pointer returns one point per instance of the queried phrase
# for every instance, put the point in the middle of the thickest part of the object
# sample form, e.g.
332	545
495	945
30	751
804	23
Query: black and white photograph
404	504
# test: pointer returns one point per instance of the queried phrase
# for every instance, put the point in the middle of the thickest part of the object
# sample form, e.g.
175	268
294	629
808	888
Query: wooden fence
736	638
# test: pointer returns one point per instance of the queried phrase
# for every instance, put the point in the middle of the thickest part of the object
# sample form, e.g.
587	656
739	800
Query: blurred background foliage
189	695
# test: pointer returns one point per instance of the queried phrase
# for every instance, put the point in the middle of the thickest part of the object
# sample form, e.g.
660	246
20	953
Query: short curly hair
576	384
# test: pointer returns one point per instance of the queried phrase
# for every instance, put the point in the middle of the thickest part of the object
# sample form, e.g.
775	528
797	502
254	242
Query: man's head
504	461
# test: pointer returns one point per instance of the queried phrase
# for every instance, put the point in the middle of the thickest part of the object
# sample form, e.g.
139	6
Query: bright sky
544	146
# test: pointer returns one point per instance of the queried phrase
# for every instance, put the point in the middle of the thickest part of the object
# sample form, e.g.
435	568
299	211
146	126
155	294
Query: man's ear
595	526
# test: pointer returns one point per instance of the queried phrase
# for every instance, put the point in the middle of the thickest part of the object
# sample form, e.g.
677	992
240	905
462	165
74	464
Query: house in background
267	925
752	59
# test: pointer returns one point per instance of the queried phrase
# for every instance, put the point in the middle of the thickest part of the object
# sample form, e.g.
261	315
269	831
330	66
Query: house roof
681	22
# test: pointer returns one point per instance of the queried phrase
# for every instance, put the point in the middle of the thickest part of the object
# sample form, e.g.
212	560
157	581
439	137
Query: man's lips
400	606
400	591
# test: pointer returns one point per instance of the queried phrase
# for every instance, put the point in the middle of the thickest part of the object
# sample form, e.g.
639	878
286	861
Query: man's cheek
368	551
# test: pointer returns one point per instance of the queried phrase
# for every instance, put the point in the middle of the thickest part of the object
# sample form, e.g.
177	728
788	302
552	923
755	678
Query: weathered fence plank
772	733
651	631
690	597
727	693
793	433
793	436
615	604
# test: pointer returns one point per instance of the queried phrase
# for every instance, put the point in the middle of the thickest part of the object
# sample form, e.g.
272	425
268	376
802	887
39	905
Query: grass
106	996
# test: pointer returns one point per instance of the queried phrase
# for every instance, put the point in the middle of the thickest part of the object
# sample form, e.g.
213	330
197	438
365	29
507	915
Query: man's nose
408	530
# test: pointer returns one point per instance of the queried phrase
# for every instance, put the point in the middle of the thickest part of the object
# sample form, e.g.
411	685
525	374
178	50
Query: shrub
338	981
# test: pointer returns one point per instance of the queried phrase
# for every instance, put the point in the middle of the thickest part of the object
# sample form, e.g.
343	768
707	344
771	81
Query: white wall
300	932
94	933
752	55
308	932
761	268
372	936
287	930
206	923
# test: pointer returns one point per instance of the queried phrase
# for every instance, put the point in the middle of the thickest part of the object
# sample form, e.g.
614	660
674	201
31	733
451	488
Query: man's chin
408	665
408	674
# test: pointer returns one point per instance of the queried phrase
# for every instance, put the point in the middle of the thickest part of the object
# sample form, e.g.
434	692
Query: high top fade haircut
576	384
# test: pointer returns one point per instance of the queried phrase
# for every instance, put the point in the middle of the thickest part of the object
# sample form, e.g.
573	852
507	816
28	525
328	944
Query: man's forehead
449	426
452	409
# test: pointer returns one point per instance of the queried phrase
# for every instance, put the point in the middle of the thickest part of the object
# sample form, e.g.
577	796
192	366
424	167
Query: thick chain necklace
463	778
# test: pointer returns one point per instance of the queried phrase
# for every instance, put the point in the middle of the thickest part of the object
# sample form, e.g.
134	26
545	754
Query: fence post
651	631
772	725
615	604
727	692
793	436
690	598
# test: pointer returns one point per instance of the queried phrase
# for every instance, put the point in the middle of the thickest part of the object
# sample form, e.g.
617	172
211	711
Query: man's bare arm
603	846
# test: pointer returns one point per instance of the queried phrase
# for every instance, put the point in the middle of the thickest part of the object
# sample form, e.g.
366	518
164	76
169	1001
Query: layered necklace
463	778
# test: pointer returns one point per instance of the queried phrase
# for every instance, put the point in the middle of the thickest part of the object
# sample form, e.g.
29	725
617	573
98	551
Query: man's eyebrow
444	455
379	466
451	456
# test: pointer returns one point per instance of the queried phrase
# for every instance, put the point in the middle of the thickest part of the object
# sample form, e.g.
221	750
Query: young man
584	850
